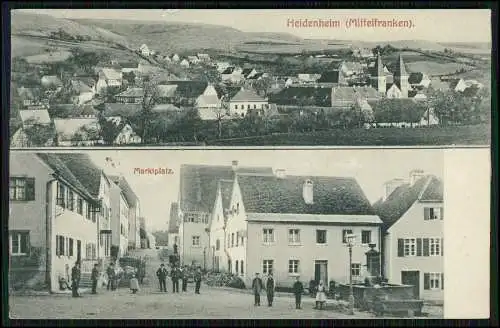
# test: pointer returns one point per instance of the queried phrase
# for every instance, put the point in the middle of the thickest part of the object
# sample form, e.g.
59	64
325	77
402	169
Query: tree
149	100
38	134
262	86
129	77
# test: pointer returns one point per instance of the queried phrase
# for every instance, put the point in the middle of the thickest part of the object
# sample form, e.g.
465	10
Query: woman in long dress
320	295
134	284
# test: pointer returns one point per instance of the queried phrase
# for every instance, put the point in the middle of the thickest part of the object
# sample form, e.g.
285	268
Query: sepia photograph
134	78
204	234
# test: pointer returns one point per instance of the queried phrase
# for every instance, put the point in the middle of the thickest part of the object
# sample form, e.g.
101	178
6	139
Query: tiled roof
210	100
84	170
128	192
403	197
352	93
60	168
166	108
117	109
39	116
166	90
226	187
111	74
173	226
293	96
331	195
247	95
198	184
189	89
228	91
132	92
454	83
330	77
66	128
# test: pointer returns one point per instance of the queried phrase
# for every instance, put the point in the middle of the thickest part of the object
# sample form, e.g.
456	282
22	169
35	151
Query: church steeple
378	79
401	77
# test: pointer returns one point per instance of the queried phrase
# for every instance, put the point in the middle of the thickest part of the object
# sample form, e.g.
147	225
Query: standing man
298	289
75	279
161	273
94	277
257	286
197	280
184	278
270	289
110	271
175	279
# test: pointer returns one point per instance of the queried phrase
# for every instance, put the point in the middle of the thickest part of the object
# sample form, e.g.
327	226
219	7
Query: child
134	284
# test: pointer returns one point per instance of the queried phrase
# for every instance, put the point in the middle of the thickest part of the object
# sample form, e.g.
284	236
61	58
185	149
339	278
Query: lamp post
350	243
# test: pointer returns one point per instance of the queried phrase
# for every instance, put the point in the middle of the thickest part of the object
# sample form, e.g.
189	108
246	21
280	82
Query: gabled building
345	97
108	78
247	100
118	131
173	225
419	80
77	131
30	118
130	96
293	226
332	79
84	91
54	219
144	50
458	85
412	212
185	63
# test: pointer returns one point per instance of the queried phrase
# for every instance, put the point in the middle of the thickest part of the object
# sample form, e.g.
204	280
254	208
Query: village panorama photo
207	234
97	78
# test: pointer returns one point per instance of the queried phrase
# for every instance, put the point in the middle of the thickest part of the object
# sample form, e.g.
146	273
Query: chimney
234	165
308	192
390	186
280	173
415	175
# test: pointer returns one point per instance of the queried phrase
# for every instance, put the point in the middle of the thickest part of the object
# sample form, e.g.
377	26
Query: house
363	53
350	68
166	92
193	60
29	118
412	212
145	68
429	118
45	244
173	225
419	80
332	78
308	78
208	104
246	100
458	85
119	109
108	78
119	222
29	96
134	211
130	96
118	132
76	131
303	97
144	50
393	92
294	226
204	58
198	186
83	92
221	66
176	58
248	72
129	67
232	74
185	63
51	81
346	96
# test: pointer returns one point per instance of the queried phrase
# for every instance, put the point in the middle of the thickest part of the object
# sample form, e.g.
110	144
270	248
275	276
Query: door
78	251
321	271
412	278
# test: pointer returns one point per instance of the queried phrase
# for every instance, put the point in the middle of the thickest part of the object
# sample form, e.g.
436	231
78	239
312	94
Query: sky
450	25
370	167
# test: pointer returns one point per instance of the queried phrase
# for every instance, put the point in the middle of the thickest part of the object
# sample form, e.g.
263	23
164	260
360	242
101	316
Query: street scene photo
228	234
96	78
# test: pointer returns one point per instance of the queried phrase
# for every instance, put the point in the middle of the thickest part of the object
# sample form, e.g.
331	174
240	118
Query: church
393	86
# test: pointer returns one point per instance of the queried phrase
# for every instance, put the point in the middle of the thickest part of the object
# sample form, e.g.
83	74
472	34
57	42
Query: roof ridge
426	185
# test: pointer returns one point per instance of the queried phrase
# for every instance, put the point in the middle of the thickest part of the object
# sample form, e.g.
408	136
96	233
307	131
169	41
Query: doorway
321	271
412	278
79	251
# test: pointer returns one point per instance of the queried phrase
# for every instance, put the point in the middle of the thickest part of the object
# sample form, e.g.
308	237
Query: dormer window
308	192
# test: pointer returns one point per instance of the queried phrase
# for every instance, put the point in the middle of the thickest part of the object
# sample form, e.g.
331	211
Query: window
346	232
268	235
196	241
122	229
93	248
232	239
434	246
410	247
61	195
320	236
70	247
366	237
267	266
60	245
79	206
242	240
241	267
236	267
71	200
356	269
89	211
237	240
19	242
293	236
433	280
88	251
293	266
217	244
433	213
22	189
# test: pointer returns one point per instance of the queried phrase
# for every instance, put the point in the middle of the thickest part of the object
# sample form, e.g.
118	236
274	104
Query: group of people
177	273
298	290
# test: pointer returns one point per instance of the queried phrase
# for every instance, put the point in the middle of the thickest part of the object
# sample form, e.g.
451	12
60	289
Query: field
49	57
435	68
448	136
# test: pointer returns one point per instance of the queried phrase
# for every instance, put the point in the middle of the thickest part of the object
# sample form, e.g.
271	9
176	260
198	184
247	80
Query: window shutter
427	284
442	213
401	247
442	280
25	243
442	246
57	245
30	188
427	213
419	246
426	247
